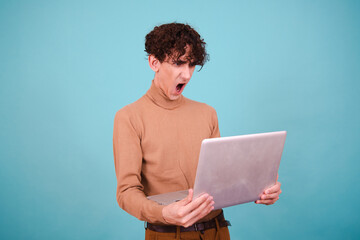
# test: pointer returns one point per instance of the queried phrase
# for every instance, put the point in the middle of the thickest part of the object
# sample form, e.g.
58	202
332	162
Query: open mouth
179	87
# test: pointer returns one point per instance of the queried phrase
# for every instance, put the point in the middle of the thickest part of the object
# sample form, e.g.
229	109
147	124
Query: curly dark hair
171	40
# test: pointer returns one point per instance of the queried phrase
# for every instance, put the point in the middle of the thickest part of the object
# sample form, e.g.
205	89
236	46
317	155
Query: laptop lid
238	169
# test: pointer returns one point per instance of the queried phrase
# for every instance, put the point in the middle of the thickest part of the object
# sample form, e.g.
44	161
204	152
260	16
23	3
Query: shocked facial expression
173	75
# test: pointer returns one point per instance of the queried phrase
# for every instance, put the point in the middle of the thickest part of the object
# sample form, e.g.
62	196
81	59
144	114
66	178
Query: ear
154	63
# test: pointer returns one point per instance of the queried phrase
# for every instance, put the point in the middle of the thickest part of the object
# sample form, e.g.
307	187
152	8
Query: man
157	142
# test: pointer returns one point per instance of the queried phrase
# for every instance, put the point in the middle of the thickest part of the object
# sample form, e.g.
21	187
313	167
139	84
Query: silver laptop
234	170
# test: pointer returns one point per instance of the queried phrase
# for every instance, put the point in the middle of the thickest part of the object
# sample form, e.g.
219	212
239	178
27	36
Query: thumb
188	198
190	195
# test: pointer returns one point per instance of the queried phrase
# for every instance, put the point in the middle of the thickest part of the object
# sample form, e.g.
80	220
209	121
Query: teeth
179	86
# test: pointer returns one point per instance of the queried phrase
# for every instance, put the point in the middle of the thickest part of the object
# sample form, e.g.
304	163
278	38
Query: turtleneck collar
158	96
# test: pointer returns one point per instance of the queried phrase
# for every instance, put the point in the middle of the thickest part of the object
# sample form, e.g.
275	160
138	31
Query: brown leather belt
195	227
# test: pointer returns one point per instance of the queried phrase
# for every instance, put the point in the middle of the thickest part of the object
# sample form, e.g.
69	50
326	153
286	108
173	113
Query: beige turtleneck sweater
156	150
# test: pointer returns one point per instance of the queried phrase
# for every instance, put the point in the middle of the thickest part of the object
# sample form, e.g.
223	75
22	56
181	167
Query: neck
158	96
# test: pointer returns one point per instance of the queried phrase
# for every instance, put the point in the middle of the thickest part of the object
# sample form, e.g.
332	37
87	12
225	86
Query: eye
178	63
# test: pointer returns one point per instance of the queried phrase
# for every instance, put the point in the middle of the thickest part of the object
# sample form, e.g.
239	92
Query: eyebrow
191	63
179	61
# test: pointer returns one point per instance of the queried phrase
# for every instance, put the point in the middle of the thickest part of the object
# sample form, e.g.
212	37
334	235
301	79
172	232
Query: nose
187	72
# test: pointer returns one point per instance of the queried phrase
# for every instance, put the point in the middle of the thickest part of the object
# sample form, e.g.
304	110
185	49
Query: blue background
66	67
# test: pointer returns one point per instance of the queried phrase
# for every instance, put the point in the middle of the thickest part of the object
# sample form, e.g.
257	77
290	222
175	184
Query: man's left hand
270	195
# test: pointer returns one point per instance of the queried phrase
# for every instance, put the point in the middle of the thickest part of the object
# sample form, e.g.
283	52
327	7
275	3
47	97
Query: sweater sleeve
128	163
215	131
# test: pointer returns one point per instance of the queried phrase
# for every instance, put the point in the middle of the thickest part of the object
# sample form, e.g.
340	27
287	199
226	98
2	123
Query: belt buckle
145	225
199	227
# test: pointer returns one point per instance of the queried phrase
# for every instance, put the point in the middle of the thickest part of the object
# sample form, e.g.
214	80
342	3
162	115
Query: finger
208	209
267	202
273	189
204	213
199	212
188	207
196	202
270	196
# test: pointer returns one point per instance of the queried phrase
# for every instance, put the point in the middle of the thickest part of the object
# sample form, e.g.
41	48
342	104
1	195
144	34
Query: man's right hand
187	212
